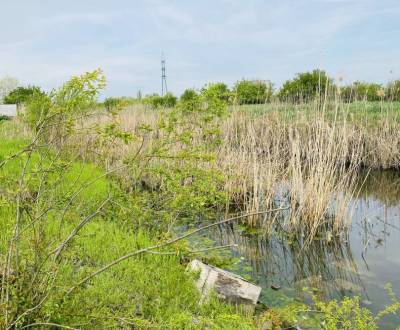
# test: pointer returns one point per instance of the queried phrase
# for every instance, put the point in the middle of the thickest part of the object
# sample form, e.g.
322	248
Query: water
360	263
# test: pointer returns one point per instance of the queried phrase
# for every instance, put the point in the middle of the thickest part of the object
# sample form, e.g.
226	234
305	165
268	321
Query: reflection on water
360	262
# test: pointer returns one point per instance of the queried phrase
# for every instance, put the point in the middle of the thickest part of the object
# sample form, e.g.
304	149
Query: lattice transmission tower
163	76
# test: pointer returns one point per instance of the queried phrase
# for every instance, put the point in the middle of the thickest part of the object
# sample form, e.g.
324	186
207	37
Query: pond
362	262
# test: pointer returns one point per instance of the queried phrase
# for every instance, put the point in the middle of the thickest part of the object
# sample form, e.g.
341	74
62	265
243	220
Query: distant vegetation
303	88
22	95
253	92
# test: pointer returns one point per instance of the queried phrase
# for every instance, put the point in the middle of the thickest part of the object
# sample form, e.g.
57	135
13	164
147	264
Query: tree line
304	87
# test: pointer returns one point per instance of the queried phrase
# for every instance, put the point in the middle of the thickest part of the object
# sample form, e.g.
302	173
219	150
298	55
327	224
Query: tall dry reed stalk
312	154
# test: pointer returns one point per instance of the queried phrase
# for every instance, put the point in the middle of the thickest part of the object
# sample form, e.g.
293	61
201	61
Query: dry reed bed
306	161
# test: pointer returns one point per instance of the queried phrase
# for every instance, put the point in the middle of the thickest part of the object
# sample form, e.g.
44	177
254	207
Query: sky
44	42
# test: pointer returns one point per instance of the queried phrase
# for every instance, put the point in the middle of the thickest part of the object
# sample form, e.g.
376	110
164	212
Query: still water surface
361	263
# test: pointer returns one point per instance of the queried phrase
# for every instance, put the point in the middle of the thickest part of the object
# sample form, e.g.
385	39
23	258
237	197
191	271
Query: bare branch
197	251
79	227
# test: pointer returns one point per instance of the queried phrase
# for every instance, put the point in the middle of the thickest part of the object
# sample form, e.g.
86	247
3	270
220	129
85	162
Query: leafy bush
217	90
111	103
393	91
305	86
169	100
190	99
253	91
157	101
367	91
116	103
363	91
346	314
189	95
21	95
75	97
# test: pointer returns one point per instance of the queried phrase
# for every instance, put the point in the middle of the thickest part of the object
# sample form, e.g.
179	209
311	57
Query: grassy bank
149	292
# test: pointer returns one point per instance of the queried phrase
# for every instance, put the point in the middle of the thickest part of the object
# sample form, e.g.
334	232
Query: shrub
190	99
253	91
156	101
217	90
112	103
362	91
305	86
169	100
367	91
21	95
75	97
393	91
189	95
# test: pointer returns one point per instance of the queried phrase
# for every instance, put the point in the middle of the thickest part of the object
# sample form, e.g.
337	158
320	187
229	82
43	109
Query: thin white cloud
203	41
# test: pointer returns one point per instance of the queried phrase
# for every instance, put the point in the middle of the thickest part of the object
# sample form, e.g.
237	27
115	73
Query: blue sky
44	42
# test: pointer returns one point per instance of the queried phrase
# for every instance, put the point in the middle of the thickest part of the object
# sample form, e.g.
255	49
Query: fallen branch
169	242
79	227
197	251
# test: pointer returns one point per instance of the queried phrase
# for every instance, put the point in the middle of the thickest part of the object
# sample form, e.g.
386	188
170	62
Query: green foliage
393	91
218	91
22	95
362	91
190	99
253	91
148	292
116	103
305	86
112	103
156	101
346	314
37	109
74	98
189	95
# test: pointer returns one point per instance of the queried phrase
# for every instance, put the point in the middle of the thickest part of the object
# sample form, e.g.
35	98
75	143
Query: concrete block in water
228	286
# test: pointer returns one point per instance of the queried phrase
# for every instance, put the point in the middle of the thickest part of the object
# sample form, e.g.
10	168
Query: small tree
21	95
305	86
76	96
218	90
253	91
169	100
189	95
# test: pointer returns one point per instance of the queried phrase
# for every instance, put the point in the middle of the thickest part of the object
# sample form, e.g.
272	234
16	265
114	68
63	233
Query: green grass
359	112
149	292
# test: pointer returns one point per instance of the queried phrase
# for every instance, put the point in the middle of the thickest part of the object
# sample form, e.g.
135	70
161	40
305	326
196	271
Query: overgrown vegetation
62	219
156	101
90	198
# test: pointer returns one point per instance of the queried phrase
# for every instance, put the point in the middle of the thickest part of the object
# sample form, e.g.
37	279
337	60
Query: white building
8	110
